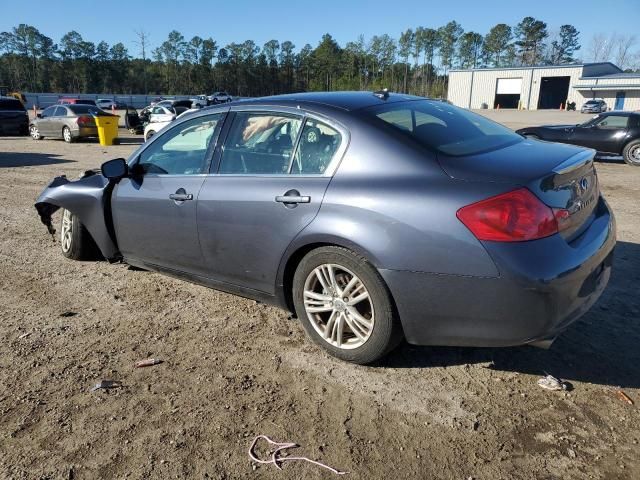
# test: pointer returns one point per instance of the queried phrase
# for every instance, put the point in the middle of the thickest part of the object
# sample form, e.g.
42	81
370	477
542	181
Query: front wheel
35	133
75	241
631	153
345	306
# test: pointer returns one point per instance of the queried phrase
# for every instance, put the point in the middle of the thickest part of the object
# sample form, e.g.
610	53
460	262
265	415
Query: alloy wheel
66	231
35	133
66	133
338	306
634	155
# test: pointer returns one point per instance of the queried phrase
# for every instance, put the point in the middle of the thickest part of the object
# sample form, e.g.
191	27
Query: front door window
182	150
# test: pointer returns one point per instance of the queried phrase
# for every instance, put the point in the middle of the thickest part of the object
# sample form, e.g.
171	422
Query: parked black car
612	133
13	117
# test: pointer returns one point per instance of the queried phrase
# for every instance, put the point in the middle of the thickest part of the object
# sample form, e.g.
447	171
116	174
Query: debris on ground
24	335
68	314
147	362
550	382
106	385
277	460
624	397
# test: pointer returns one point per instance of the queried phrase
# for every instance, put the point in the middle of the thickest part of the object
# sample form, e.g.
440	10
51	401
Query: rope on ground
277	460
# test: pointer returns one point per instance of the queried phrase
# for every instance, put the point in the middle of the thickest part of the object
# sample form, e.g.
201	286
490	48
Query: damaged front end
88	198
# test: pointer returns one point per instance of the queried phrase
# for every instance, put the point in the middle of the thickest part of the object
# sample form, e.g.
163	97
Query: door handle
293	199
181	197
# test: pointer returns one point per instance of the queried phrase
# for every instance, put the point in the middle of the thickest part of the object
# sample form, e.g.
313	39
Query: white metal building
549	87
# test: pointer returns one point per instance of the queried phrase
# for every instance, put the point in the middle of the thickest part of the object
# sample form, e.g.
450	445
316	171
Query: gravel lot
234	368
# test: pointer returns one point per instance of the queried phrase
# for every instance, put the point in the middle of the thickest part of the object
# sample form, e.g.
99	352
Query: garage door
509	86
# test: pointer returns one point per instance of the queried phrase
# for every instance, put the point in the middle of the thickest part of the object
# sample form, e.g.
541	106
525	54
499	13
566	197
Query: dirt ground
234	369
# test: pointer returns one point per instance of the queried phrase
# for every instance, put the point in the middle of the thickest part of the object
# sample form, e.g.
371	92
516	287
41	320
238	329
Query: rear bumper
543	287
84	132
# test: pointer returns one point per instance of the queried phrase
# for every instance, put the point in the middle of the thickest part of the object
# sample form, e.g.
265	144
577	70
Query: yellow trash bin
107	128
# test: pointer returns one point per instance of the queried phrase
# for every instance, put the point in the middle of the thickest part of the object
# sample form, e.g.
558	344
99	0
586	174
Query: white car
200	101
219	97
160	117
107	103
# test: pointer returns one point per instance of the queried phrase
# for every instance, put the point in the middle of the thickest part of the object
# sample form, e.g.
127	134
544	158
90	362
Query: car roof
349	101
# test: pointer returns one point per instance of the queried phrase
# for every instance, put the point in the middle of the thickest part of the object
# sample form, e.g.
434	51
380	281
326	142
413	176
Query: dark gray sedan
372	217
68	122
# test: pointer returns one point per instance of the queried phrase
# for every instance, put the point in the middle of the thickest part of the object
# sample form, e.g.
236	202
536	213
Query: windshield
445	128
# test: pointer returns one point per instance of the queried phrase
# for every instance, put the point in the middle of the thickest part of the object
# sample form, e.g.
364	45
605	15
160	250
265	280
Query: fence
43	100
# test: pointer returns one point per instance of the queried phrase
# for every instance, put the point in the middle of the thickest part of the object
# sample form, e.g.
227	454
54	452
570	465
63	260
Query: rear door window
260	144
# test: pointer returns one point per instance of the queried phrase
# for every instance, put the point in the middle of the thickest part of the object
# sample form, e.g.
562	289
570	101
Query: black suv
14	119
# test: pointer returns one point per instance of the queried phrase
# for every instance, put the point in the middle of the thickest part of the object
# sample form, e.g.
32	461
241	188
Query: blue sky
305	21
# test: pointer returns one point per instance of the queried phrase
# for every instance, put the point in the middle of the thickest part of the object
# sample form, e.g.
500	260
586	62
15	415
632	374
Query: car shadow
19	159
600	348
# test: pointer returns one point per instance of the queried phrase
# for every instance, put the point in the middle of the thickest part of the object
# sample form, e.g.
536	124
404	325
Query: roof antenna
382	94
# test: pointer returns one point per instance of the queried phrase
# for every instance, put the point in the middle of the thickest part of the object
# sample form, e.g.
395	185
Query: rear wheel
75	241
345	306
66	134
631	153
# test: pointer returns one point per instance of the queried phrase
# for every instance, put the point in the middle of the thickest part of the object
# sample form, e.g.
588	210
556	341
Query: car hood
517	164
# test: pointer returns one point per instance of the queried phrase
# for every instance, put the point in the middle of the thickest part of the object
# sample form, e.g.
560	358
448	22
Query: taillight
514	216
85	121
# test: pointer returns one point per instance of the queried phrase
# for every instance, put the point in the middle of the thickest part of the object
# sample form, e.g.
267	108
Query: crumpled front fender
88	198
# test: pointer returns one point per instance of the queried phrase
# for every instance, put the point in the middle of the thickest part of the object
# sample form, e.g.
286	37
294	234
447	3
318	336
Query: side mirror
115	169
39	115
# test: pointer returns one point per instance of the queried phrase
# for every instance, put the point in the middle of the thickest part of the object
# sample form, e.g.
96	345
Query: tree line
416	62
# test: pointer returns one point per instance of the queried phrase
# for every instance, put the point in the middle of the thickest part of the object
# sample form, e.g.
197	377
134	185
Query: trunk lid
562	176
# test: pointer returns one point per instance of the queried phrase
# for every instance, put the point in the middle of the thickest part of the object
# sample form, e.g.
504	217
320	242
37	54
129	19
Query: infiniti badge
584	184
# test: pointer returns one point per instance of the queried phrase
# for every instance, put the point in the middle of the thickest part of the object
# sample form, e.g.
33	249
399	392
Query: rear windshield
444	128
11	104
90	109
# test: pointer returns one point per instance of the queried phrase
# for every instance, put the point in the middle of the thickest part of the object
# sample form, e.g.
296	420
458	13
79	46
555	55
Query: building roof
618	75
589	70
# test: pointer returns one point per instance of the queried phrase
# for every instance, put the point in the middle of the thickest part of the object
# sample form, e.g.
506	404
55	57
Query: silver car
68	122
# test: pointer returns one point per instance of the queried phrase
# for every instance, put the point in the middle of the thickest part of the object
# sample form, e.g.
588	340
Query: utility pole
143	42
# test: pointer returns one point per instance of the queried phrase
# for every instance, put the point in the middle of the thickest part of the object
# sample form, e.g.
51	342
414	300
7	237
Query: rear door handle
293	199
181	197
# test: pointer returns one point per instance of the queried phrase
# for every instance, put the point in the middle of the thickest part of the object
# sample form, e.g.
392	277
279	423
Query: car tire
66	135
75	241
35	133
631	153
360	332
